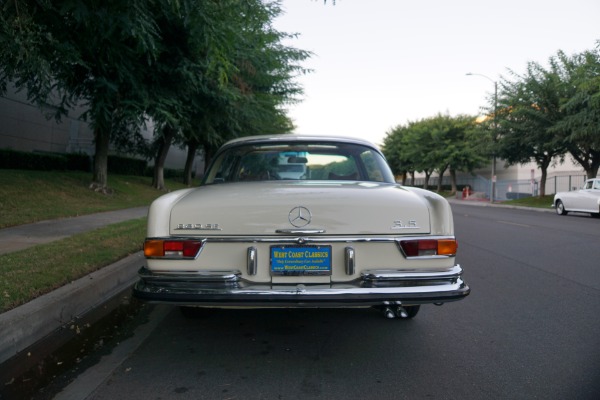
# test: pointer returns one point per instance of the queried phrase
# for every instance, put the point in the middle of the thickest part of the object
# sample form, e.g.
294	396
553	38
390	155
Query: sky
378	64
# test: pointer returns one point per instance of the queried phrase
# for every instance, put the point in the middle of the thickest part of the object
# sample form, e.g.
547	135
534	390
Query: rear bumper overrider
374	287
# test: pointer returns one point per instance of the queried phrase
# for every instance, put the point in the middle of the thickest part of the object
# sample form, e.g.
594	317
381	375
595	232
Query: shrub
11	159
126	166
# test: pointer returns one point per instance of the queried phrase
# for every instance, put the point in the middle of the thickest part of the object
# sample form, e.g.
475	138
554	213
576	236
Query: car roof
299	138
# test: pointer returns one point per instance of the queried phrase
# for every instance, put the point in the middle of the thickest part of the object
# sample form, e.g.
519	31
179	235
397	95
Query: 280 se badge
301	221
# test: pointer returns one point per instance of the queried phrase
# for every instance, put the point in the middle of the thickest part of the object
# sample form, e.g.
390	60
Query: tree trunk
100	173
426	183
189	161
164	143
589	160
544	168
453	180
543	182
441	179
594	165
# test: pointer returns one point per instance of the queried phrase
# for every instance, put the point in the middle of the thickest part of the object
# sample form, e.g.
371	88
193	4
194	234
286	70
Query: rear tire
560	208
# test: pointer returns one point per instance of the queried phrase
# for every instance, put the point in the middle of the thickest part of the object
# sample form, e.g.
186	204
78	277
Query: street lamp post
493	183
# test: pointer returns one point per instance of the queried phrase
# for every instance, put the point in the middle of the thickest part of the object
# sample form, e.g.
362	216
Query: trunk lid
262	208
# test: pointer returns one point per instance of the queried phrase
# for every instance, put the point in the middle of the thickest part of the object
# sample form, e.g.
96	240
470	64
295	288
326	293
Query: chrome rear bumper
375	287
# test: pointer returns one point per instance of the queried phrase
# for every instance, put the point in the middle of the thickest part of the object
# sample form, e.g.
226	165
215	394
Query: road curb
23	326
498	205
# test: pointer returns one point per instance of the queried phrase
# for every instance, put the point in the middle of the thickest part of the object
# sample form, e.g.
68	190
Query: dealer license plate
301	260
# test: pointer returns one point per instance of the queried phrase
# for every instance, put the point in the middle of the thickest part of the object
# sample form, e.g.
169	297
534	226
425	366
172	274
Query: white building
517	180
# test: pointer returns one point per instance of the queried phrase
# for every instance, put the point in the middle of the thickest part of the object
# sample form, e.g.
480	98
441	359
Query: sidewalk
23	326
25	236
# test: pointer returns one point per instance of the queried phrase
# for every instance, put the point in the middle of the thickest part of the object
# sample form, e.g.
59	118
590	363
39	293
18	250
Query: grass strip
535	202
27	274
31	196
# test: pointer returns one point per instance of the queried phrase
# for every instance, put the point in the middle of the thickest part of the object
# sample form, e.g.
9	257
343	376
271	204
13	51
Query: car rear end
301	243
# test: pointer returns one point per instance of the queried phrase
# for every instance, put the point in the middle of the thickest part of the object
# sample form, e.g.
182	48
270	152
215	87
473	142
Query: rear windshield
298	161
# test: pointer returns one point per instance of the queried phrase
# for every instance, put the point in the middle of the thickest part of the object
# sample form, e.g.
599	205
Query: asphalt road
529	330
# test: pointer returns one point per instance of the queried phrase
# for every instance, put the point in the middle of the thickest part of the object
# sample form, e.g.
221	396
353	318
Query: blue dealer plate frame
300	260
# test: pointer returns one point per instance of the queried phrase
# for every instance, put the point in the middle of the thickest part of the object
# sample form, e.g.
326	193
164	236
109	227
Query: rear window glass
298	161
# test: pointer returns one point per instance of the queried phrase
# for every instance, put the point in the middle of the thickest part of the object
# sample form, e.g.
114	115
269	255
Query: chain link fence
480	187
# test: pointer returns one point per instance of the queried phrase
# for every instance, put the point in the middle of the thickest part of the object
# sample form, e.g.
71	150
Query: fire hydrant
466	192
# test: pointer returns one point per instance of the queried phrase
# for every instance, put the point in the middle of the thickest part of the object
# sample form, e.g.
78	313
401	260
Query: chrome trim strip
436	257
300	231
375	275
252	261
310	240
196	276
303	240
350	260
370	275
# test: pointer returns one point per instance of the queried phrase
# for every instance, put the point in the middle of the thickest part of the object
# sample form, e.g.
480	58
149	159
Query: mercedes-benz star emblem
299	217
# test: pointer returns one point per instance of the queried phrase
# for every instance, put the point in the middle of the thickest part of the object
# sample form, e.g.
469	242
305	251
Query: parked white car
339	232
586	200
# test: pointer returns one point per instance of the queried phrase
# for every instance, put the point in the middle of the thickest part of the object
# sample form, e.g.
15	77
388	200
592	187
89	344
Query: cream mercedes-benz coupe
301	221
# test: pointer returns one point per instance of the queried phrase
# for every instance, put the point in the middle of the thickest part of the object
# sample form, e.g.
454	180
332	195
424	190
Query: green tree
88	52
438	143
190	65
392	151
462	146
580	104
422	151
181	63
240	93
395	148
529	109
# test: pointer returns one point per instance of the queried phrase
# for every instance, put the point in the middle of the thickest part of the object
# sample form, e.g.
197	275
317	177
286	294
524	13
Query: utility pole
495	135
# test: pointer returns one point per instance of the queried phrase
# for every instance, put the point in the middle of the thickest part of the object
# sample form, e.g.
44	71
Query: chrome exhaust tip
389	313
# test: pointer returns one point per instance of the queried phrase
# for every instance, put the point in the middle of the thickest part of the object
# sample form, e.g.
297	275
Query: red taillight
172	248
428	247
